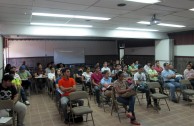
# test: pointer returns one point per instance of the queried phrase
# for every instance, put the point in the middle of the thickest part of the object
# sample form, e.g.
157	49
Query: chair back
153	85
6	104
187	83
78	95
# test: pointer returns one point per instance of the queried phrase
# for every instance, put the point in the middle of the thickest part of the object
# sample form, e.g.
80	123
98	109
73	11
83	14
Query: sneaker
149	106
135	123
175	100
27	102
185	99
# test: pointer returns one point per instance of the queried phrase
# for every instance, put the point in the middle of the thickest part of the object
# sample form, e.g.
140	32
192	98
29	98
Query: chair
80	110
158	96
8	105
51	89
189	89
116	105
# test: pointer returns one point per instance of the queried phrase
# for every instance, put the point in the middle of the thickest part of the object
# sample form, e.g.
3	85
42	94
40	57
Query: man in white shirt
147	67
105	67
140	81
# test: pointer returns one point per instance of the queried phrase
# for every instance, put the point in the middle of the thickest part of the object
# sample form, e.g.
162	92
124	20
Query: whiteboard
69	55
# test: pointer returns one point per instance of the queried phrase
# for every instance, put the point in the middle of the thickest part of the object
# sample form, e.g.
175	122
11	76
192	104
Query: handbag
129	93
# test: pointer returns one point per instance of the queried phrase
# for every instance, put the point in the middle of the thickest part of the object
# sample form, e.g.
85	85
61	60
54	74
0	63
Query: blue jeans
129	102
23	95
97	92
173	85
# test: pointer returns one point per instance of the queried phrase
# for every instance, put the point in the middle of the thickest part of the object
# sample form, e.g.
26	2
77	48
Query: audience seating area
45	93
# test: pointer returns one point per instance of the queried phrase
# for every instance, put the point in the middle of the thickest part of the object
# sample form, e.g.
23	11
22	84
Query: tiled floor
43	112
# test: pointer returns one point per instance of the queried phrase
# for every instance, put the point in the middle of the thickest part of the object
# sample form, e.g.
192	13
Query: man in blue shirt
169	81
106	83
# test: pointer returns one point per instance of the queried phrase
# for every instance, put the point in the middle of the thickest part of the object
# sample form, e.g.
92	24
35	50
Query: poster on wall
69	56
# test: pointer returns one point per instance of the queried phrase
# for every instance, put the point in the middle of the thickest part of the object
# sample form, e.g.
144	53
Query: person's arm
94	83
16	98
29	75
73	88
63	89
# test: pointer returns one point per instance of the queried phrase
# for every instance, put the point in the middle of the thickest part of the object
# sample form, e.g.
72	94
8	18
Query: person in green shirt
17	83
153	76
132	69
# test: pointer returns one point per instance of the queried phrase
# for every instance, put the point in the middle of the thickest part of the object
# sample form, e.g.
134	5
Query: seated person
127	76
96	78
39	72
86	77
48	69
105	67
157	67
25	76
121	87
169	79
147	67
106	83
132	69
67	85
78	75
189	74
140	81
51	75
153	76
115	71
17	83
178	76
9	92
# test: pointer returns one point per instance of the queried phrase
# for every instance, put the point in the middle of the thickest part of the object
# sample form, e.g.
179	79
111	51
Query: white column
1	58
164	51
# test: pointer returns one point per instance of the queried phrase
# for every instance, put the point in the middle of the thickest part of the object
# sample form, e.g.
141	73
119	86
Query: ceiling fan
154	20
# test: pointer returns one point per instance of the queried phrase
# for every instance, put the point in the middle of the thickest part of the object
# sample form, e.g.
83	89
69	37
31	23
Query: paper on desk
4	120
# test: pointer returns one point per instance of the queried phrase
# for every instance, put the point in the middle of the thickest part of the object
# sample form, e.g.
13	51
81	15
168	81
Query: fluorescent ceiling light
191	9
162	24
70	16
145	1
64	25
171	25
135	29
144	22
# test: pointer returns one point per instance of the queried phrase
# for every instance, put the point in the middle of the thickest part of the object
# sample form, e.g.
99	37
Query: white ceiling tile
40	19
58	5
182	4
112	4
187	14
173	18
17	2
15	17
163	8
15	10
106	10
81	2
150	12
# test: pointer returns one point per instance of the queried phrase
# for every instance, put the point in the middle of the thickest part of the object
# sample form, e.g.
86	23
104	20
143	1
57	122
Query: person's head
88	69
148	63
66	72
7	80
132	64
106	73
97	68
166	66
61	65
48	65
7	67
157	63
189	66
24	63
152	66
13	68
12	73
22	68
39	65
120	75
118	67
105	64
52	70
171	66
59	72
140	68
125	68
98	64
136	62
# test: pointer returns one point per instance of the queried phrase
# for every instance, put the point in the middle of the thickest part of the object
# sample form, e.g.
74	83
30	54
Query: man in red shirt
67	85
96	78
158	68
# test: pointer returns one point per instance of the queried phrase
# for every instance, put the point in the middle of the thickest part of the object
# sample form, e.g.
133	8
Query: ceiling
169	11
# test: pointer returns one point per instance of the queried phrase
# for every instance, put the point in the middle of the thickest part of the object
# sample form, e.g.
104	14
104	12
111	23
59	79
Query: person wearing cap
67	85
25	76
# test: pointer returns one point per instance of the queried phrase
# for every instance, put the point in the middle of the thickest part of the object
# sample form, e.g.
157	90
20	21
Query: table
39	77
